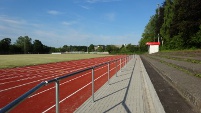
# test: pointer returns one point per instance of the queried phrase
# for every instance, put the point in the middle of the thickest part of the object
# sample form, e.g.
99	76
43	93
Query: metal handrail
20	99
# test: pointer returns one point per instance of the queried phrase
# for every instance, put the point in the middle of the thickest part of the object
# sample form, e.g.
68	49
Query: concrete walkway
131	91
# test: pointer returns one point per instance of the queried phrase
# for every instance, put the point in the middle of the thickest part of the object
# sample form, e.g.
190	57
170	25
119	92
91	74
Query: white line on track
64	83
42	78
35	81
28	71
73	93
59	84
9	78
21	79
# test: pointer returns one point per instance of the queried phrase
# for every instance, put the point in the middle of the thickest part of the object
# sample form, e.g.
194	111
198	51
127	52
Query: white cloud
36	25
59	35
62	37
11	27
85	7
53	12
95	1
110	16
10	21
69	23
115	39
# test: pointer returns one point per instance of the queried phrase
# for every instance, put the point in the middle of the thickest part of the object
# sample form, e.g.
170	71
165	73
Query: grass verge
177	67
11	61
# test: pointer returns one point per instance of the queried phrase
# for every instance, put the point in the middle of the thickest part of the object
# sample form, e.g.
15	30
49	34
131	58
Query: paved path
130	91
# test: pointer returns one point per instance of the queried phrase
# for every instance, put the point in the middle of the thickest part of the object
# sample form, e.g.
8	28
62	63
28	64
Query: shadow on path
126	94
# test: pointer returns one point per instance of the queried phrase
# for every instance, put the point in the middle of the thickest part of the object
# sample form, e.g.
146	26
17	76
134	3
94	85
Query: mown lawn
11	61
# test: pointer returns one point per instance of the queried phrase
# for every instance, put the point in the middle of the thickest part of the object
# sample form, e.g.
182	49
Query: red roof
153	43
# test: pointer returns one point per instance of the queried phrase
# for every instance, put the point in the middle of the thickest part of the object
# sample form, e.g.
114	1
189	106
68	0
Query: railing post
92	75
116	68
120	63
125	60
108	72
57	95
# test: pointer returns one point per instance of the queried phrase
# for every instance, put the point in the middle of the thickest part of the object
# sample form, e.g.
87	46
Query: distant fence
17	101
81	52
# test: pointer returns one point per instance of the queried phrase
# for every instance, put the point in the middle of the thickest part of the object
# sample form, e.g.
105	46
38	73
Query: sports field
73	91
10	61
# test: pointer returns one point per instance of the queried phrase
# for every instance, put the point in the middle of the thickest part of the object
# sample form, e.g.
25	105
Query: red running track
74	90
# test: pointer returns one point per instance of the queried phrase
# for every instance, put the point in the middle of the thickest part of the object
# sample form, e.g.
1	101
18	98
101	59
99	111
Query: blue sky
76	22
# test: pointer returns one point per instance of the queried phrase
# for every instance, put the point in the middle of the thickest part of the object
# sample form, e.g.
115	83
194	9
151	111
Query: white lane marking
64	82
21	79
60	85
73	93
41	70
9	78
36	81
33	81
89	63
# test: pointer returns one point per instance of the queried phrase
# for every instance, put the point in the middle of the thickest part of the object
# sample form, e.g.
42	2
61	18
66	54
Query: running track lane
73	90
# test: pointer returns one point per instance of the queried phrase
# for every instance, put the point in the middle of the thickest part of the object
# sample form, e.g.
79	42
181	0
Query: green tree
188	20
91	48
15	49
149	33
37	46
65	48
114	49
109	48
5	45
131	48
24	43
196	39
168	17
124	50
46	49
182	19
100	49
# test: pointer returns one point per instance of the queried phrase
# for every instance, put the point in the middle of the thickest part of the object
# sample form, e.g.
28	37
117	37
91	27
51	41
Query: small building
153	47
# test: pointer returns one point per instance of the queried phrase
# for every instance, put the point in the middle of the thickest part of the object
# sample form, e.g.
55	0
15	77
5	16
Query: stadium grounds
73	90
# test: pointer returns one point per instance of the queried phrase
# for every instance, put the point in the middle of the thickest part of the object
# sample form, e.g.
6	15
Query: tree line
24	45
177	23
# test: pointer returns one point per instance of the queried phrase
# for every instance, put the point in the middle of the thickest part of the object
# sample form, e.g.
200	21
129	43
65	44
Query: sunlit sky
76	22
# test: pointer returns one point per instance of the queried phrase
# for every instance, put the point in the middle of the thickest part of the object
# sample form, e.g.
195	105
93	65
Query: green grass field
11	61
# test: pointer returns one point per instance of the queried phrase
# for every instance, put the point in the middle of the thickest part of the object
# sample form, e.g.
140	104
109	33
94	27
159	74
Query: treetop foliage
24	45
178	25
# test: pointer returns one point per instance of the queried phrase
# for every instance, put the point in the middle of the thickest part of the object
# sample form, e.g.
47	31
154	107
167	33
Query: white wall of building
153	49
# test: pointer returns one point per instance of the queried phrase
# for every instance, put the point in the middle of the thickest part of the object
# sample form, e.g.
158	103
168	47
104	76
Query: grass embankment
192	56
11	61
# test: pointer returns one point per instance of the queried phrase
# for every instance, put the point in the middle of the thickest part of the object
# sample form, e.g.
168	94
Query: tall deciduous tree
37	46
65	48
91	48
178	22
24	43
149	33
167	22
5	45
